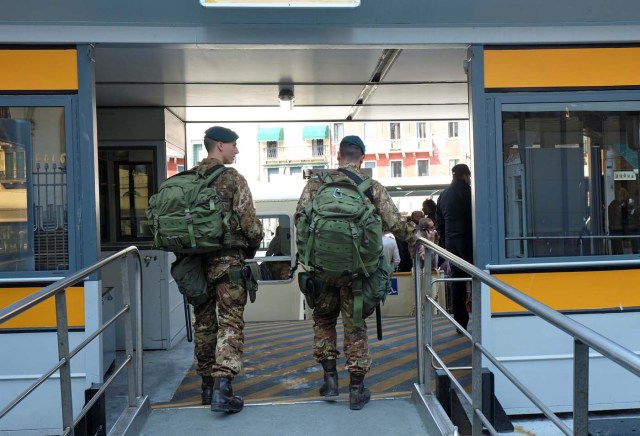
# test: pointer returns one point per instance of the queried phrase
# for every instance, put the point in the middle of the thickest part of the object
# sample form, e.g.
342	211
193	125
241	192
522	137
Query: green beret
355	140
221	134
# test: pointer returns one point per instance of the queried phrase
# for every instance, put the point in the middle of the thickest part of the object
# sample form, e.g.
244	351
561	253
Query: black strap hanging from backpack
357	180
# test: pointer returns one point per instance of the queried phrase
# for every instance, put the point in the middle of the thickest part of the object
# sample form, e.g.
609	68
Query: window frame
534	102
391	162
428	161
69	104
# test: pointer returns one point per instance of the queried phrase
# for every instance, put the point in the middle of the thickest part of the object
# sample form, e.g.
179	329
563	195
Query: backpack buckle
337	193
188	217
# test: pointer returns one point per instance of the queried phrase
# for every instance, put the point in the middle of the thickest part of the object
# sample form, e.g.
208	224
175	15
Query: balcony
395	145
297	154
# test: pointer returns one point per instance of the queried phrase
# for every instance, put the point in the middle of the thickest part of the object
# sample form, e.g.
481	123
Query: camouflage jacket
245	230
386	208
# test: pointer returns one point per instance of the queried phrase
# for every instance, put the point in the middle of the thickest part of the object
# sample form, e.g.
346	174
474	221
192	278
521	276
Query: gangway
421	413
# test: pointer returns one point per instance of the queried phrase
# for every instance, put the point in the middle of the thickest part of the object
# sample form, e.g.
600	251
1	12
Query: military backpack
186	214
339	232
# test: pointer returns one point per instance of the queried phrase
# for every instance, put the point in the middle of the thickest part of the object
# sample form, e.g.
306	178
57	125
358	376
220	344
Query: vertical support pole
128	334
427	315
419	329
580	388
62	323
476	355
139	351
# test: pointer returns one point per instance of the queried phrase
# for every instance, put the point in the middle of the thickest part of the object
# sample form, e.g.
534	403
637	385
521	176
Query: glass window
295	171
338	132
126	182
453	163
571	180
396	168
369	164
423	168
198	153
422	134
272	149
274	256
317	147
33	189
272	173
454	131
394	135
370	130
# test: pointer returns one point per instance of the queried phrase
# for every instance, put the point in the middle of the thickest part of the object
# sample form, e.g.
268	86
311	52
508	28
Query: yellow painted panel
44	314
38	70
562	67
581	290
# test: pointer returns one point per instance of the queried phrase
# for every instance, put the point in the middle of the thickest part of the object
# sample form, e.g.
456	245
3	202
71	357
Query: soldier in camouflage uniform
338	296
219	339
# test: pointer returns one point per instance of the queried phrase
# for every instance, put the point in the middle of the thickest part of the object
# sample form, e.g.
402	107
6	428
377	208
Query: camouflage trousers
218	328
325	317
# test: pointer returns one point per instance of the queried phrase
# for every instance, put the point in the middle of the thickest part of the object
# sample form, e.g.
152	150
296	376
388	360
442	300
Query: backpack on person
339	233
186	214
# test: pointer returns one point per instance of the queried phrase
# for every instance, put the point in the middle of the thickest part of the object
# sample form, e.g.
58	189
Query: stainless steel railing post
419	327
476	354
63	354
427	315
128	335
580	388
139	351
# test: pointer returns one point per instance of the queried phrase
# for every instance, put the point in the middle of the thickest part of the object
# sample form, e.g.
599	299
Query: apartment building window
338	132
421	134
295	171
272	149
272	173
317	147
453	163
370	164
423	167
369	130
396	168
394	135
198	154
454	129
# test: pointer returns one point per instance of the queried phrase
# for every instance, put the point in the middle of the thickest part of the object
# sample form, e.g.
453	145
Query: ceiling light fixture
287	99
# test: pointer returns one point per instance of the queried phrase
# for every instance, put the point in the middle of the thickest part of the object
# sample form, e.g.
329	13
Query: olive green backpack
339	232
186	215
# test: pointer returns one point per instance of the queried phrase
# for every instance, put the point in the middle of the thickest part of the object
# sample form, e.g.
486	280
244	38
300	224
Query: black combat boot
330	386
223	399
207	388
358	394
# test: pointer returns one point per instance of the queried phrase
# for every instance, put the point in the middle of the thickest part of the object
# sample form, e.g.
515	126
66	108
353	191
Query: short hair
350	152
209	144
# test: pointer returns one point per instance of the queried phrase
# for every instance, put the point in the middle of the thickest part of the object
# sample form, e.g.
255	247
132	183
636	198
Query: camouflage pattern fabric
386	208
328	306
245	229
331	303
219	323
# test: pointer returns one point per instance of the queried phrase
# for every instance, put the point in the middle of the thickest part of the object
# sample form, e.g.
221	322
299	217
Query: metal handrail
58	291
584	338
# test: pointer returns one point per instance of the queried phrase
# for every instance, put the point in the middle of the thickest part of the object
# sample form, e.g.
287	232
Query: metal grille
51	236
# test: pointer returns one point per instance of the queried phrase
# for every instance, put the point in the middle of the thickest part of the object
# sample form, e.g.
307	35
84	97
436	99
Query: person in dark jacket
453	223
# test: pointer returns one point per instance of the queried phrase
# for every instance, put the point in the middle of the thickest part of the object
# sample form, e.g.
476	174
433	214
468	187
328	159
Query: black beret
221	134
353	139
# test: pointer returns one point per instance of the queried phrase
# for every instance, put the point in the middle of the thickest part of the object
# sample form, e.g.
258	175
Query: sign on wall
281	4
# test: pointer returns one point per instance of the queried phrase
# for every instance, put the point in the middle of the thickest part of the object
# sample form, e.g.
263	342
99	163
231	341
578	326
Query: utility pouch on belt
246	276
370	291
308	288
191	278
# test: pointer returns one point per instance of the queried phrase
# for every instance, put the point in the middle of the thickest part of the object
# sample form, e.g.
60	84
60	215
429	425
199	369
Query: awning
270	134
315	132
